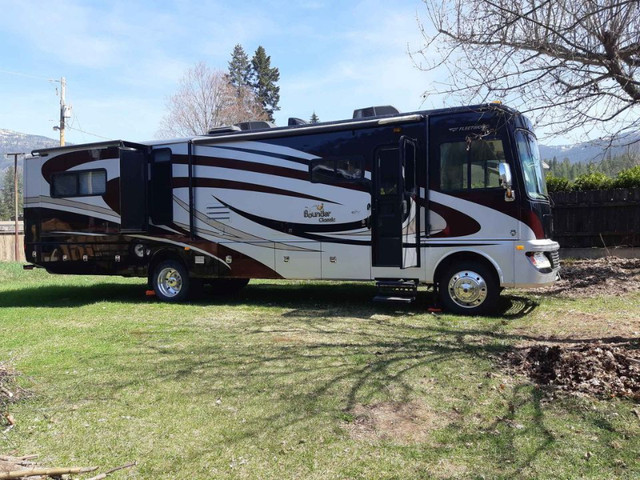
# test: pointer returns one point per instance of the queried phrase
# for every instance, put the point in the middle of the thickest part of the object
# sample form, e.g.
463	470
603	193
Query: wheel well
463	257
160	256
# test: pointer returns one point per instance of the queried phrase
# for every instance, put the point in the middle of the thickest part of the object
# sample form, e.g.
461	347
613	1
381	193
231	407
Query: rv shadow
353	299
64	296
306	299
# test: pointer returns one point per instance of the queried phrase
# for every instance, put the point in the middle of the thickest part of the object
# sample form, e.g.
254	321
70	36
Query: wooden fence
597	218
7	240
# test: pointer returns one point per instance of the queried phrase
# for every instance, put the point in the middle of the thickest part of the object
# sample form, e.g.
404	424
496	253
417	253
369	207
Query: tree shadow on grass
308	367
330	350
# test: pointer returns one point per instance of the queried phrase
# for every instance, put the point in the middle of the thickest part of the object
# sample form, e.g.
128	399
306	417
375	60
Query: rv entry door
394	230
410	208
133	191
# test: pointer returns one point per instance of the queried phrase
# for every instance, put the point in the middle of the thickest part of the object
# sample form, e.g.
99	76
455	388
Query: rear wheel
469	288
170	281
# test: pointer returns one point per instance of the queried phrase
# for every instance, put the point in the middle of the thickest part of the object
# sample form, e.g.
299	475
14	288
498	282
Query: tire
170	280
469	288
228	286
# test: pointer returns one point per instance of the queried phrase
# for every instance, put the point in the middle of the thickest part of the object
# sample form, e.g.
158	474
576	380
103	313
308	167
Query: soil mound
595	369
597	277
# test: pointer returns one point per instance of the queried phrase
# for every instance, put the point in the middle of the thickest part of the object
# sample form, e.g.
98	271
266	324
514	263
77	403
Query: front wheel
469	288
170	281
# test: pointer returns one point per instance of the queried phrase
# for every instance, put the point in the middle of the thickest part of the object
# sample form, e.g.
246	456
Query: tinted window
470	164
79	184
161	204
337	169
388	174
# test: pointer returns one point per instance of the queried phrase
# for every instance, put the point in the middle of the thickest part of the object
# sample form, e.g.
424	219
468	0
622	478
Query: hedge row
628	178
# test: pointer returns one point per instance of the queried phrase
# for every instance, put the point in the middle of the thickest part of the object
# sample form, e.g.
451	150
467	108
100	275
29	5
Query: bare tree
568	64
204	100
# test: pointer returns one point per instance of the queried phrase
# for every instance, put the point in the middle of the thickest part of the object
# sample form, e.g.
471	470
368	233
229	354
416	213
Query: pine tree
4	211
264	82
239	68
314	118
6	194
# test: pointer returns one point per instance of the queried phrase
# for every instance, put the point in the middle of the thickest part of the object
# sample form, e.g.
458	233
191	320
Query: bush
628	178
593	181
557	184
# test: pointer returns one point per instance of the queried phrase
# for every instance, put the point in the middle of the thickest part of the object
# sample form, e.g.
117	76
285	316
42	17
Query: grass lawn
301	380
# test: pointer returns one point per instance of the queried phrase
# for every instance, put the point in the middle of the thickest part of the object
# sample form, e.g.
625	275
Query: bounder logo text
318	211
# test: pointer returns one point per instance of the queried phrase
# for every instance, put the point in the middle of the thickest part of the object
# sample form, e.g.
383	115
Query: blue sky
122	59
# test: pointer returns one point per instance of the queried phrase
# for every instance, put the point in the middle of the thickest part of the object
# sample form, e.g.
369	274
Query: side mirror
506	181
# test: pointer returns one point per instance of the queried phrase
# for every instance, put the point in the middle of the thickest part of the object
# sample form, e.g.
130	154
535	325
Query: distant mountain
16	142
592	151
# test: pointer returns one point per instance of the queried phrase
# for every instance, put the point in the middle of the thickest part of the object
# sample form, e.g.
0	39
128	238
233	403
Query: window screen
470	165
79	184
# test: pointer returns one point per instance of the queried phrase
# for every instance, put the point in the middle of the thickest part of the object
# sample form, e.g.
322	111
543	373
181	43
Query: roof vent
296	121
254	125
375	111
224	129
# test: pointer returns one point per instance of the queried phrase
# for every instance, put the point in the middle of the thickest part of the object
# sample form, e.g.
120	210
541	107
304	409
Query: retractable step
398	291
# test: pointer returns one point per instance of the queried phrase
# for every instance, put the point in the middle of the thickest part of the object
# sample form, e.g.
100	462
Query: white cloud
373	67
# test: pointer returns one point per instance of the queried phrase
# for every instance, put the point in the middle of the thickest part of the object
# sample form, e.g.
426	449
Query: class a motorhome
454	198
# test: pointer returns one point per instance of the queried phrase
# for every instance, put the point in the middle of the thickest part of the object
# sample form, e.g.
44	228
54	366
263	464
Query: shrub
558	184
628	178
593	181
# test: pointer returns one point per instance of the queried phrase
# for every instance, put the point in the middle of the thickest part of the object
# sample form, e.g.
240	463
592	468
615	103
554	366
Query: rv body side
401	197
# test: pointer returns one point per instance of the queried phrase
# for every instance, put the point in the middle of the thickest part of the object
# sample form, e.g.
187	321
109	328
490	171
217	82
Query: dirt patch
10	392
597	277
400	422
595	369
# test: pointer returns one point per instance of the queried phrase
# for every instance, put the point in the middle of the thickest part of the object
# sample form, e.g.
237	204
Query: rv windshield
532	170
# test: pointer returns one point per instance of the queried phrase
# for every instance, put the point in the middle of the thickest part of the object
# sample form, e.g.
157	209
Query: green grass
271	384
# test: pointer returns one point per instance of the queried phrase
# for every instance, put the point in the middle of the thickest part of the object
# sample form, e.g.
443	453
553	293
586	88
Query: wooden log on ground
45	472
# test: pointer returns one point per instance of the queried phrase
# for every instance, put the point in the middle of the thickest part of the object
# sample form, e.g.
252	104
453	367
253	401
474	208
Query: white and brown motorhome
453	197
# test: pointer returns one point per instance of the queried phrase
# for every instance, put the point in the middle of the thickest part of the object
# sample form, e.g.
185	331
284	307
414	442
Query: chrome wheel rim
467	289
169	282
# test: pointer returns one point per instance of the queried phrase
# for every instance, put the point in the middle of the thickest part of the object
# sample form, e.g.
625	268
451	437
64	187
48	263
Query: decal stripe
281	156
264	168
180	244
304	230
183	182
243	165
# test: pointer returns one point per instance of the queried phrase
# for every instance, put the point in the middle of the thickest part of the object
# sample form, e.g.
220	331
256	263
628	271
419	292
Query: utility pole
63	88
65	110
16	233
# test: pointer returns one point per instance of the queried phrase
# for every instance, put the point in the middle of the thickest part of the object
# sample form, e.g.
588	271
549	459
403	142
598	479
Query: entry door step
397	291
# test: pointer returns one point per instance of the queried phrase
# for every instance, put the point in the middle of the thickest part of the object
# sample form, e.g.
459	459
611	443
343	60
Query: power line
28	75
88	133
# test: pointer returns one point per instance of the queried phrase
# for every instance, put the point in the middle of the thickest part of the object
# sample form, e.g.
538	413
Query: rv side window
337	170
161	204
470	164
79	184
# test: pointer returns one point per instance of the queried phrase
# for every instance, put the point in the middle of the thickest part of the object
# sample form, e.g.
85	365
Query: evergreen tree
239	68
264	82
314	118
6	194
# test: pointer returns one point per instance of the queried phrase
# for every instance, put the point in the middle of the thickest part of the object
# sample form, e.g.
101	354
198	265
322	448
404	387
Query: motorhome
453	198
